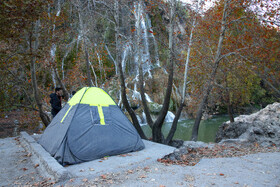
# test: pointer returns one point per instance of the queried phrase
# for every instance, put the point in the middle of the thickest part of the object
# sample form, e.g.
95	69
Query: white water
59	8
144	53
154	40
144	122
126	51
53	50
169	117
52	53
148	98
120	97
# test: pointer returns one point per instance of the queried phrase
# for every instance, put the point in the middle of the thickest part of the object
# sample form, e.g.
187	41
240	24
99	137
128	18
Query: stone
262	127
154	108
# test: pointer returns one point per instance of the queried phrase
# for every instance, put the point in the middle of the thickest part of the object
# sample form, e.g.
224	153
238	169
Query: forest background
152	56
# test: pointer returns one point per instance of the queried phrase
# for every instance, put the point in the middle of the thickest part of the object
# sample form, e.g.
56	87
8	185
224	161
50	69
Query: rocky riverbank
249	134
262	127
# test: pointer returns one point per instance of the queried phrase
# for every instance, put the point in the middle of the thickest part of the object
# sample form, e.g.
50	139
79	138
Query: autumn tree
234	39
23	21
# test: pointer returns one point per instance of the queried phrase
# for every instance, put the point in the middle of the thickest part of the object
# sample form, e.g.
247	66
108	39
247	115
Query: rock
262	127
231	130
154	108
184	149
193	144
235	141
176	143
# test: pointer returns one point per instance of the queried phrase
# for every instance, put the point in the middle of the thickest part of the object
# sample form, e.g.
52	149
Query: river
207	129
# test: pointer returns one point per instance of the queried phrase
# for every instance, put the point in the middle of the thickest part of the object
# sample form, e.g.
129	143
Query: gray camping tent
90	126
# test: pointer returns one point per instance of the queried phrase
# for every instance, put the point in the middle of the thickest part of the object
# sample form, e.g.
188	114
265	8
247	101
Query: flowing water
207	129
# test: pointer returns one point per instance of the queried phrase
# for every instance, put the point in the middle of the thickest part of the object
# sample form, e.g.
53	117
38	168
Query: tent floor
51	168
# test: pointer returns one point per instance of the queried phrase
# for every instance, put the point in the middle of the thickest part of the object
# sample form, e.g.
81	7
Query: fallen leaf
71	180
221	174
85	180
37	165
142	176
103	176
129	171
24	169
189	178
146	168
161	186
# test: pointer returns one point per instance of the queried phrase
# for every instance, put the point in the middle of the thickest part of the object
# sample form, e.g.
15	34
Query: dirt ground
17	168
258	169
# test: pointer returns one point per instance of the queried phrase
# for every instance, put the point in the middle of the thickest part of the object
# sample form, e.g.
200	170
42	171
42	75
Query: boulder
154	108
262	127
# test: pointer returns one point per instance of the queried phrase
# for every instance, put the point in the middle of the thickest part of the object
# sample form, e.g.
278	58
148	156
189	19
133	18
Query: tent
88	127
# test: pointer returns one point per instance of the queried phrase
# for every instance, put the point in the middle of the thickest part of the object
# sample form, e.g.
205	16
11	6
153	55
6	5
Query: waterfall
154	40
52	53
169	117
136	95
120	98
144	121
144	50
126	51
53	50
148	98
59	8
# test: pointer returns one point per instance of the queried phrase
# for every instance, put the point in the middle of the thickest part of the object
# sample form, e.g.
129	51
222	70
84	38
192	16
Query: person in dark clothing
56	101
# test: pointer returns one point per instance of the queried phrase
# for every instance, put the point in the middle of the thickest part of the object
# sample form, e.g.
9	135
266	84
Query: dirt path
256	170
17	168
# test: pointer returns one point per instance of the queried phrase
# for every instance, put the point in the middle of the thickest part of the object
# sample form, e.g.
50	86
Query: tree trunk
141	76
230	112
122	78
156	131
210	82
174	125
229	105
127	106
178	113
143	97
45	118
88	66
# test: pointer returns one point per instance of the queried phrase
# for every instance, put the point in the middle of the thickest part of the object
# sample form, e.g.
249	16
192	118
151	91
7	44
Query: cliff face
262	127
